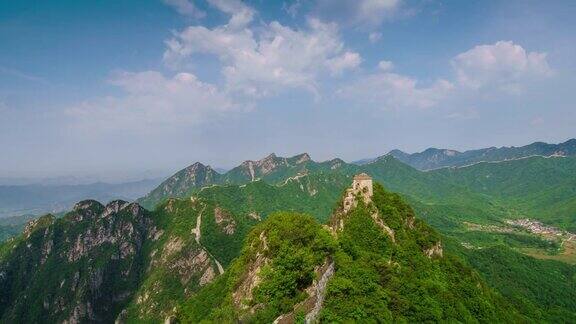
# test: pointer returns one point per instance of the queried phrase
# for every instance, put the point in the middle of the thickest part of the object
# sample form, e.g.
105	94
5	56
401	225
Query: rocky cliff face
80	268
117	262
267	167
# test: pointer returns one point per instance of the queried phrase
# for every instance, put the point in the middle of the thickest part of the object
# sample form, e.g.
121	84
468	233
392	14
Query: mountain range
275	240
434	158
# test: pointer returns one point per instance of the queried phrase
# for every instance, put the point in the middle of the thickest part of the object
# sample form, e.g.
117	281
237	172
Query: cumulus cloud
240	14
367	13
186	8
385	90
150	98
292	8
385	65
275	58
504	65
374	37
348	60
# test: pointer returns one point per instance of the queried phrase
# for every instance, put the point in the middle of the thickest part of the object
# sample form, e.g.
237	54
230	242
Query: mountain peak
301	158
270	157
196	166
88	204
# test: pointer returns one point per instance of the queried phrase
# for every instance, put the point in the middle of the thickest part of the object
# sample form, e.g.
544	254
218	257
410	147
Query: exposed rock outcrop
225	221
435	251
312	305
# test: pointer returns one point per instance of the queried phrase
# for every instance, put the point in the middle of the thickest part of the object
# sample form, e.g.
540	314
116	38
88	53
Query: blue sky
117	88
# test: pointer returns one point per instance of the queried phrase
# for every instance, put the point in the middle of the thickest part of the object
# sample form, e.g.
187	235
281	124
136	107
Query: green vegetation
377	278
48	277
286	249
544	290
537	187
437	158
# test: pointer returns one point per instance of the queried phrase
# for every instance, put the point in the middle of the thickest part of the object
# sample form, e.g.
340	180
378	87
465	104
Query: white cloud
503	65
374	37
292	8
366	13
375	11
152	99
276	58
387	90
348	60
240	14
186	8
385	65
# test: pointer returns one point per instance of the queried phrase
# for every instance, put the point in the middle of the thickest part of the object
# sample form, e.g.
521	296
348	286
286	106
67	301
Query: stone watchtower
361	184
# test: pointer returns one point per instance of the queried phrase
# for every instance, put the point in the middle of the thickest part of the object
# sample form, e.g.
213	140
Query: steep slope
83	267
392	267
181	184
433	158
314	194
281	258
184	257
115	262
540	288
375	262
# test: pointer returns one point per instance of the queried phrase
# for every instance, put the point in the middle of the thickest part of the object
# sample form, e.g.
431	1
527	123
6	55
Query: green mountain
450	199
540	288
181	184
375	262
121	262
434	158
536	187
144	263
272	169
82	267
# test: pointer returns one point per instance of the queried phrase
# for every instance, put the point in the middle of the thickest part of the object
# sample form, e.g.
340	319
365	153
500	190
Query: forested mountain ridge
434	158
272	169
454	188
188	244
372	263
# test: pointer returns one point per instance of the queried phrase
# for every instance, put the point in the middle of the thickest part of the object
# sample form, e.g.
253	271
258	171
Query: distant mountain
272	169
434	158
38	199
548	181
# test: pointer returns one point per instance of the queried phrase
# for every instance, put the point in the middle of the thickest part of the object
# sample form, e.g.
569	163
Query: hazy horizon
138	89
